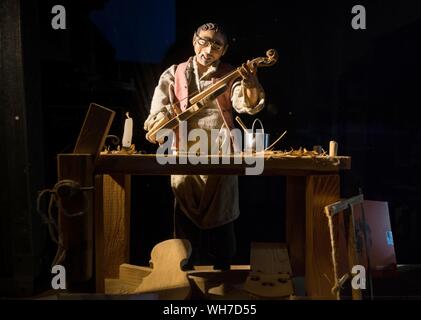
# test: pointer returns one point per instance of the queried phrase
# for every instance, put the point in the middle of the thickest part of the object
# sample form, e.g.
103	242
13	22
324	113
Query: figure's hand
151	139
249	73
154	122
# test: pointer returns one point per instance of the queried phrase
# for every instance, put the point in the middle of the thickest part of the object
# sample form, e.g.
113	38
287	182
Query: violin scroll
269	60
272	56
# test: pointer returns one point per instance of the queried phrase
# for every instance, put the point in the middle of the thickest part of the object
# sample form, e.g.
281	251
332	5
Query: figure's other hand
153	122
249	73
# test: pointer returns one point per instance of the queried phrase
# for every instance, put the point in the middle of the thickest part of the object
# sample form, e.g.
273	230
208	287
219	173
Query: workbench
312	182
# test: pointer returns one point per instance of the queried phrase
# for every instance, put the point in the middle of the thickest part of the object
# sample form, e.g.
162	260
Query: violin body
157	133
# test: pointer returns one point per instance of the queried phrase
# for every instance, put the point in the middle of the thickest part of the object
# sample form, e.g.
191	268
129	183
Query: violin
195	102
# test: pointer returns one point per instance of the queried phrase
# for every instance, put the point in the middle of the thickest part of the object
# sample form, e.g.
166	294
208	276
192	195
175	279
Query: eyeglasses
206	42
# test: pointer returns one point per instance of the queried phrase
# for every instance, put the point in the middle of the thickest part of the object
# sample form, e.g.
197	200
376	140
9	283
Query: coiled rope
64	189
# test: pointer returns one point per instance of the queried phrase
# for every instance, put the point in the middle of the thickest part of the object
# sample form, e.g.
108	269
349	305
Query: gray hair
213	27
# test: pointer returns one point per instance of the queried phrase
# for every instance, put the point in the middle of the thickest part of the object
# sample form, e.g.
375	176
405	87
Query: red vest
181	91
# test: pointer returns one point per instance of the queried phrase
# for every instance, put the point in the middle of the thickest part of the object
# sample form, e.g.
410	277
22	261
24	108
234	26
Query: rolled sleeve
163	96
240	101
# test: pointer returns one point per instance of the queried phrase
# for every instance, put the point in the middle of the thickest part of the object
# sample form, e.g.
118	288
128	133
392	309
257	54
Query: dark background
331	82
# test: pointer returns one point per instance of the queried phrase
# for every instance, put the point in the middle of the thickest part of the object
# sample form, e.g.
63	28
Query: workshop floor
404	285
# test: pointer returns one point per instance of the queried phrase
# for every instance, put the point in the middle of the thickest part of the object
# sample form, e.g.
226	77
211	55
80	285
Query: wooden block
167	278
218	276
112	226
210	268
133	274
209	283
270	274
269	285
269	258
94	130
118	286
116	213
130	278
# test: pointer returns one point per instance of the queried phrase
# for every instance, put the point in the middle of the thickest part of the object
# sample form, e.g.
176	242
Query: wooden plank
167	278
133	274
210	268
116	222
148	164
341	205
77	231
212	284
269	257
99	235
118	286
295	222
321	190
270	274
129	279
94	130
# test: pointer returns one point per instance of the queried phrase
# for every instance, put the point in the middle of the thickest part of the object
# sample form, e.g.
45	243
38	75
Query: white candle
128	132
333	148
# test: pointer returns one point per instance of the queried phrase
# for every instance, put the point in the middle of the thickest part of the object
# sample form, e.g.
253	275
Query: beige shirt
208	200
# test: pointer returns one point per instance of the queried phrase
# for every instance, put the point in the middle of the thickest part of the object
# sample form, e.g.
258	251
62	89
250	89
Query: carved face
209	47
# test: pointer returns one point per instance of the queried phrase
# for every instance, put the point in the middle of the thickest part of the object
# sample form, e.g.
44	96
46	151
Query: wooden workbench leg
76	232
321	190
112	225
295	222
99	234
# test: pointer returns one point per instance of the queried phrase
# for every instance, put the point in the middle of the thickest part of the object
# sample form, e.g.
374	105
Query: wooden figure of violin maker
206	206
